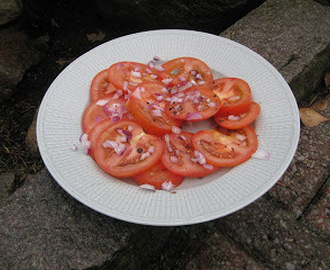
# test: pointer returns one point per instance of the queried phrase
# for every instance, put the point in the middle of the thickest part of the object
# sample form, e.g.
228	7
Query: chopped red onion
241	137
85	143
151	64
174	159
167	80
208	166
211	104
156	58
159	68
194	116
234	117
125	86
168	144
261	154
201	82
137	93
118	147
98	118
153	76
199	158
176	130
148	187
145	155
164	90
156	113
234	98
102	102
167	186
74	147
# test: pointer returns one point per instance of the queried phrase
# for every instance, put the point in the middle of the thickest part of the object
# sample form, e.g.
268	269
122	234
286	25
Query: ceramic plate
197	200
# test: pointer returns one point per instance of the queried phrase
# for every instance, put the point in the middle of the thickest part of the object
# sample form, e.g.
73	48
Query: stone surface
221	253
318	214
42	227
275	237
10	10
308	170
17	54
6	184
294	36
31	137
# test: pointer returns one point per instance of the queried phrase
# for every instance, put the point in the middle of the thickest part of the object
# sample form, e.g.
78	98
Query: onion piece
148	187
137	93
167	80
85	143
261	154
102	102
118	147
174	159
194	116
167	186
208	166
176	130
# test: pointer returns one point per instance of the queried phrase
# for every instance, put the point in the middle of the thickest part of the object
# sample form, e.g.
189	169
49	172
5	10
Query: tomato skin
157	175
196	104
223	148
142	108
129	162
186	69
234	93
95	113
101	86
128	75
182	150
244	120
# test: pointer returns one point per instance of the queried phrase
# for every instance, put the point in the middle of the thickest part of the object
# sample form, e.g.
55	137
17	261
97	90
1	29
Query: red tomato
186	69
108	107
101	86
239	121
127	75
234	93
147	104
226	148
157	175
180	158
194	104
123	149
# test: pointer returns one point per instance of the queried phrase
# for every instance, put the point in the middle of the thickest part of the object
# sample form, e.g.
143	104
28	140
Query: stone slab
275	237
308	170
221	253
42	227
6	184
292	35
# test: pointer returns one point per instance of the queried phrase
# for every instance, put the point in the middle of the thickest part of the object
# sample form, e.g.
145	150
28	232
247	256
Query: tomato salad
132	127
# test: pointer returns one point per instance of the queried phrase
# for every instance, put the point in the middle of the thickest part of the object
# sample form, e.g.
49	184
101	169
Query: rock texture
17	54
10	10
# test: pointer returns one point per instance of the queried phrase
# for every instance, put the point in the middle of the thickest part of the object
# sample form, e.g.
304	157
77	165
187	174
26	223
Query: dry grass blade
311	118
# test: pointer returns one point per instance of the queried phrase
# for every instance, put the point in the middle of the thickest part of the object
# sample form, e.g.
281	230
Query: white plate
197	200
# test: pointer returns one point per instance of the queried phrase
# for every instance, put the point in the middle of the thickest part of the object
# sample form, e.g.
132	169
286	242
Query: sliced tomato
147	106
234	93
226	148
241	120
124	150
127	75
181	158
108	107
180	71
157	175
101	86
193	104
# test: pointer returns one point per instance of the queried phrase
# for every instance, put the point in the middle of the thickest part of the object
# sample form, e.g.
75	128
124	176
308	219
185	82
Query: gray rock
275	237
17	54
10	10
42	227
292	35
6	184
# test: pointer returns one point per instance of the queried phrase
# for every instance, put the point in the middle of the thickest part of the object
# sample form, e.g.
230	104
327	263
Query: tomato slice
226	148
128	75
157	175
181	158
194	104
108	107
181	70
239	121
147	105
234	93
124	150
101	86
